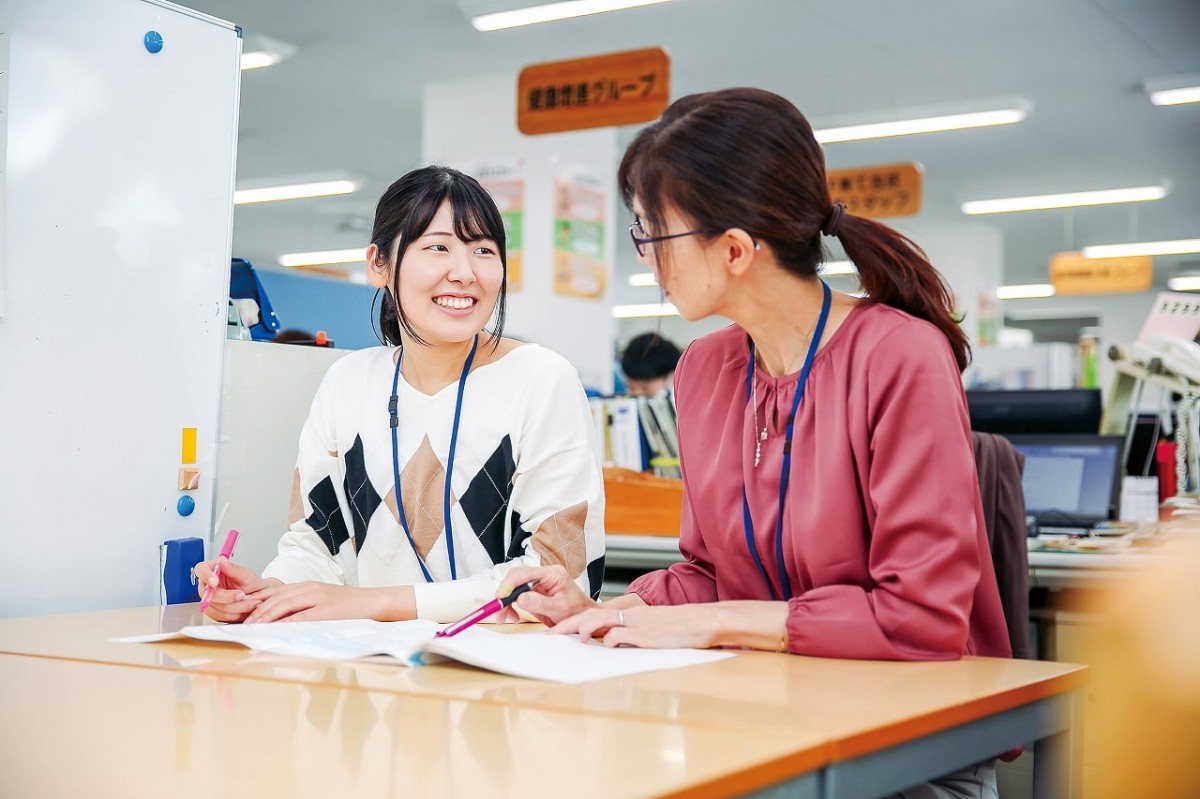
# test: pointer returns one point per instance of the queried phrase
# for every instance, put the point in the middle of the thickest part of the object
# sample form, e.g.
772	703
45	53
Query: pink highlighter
227	552
476	616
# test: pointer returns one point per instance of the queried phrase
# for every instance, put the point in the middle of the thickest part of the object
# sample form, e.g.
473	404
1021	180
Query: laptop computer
1071	483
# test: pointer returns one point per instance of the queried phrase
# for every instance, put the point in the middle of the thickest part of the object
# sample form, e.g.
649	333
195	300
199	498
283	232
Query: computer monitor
1028	411
1070	481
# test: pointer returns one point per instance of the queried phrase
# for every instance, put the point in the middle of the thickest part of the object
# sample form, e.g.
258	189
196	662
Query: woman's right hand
555	596
233	595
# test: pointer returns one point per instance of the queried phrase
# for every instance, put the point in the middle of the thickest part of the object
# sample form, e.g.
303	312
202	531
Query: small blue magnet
185	505
153	42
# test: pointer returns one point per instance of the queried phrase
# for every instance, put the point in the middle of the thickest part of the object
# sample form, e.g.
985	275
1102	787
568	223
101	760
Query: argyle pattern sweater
526	487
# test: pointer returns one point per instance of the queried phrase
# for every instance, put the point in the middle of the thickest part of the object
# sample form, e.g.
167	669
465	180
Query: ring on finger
620	619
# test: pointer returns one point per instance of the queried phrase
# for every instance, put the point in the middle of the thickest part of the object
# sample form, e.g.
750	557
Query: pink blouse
883	536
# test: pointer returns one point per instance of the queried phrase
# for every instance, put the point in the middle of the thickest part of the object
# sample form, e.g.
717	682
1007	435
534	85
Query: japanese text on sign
607	90
1071	273
616	89
877	191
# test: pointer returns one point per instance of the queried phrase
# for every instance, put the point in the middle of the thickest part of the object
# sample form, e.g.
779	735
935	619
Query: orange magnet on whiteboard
189	445
189	478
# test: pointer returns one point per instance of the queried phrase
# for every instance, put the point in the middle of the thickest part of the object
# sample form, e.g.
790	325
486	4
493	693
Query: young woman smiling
430	467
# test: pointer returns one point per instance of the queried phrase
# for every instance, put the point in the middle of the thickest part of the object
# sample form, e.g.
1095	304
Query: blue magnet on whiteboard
153	42
185	505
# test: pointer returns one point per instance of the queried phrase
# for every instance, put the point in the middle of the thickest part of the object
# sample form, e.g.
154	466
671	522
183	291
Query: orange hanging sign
1071	273
598	91
877	191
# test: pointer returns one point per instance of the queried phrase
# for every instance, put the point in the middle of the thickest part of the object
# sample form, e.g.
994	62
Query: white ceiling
350	99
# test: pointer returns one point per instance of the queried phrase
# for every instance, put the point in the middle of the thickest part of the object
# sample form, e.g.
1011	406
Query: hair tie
834	223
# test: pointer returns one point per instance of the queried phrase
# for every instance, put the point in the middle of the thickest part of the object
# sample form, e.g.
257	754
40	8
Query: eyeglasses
640	239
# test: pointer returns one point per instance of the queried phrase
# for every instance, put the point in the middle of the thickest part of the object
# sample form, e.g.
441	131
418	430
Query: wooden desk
837	728
70	728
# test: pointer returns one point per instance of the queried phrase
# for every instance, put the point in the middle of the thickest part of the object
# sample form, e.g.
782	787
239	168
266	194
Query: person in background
648	363
430	467
292	335
831	506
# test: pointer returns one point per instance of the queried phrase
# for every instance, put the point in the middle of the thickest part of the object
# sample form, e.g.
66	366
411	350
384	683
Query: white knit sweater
526	489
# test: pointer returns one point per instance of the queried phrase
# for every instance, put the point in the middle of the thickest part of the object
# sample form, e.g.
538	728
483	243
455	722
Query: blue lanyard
748	523
395	423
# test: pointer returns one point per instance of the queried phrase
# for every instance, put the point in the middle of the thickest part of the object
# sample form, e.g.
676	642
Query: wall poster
580	267
505	181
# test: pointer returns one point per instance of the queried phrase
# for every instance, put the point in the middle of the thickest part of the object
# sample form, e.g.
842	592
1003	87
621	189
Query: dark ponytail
894	271
747	158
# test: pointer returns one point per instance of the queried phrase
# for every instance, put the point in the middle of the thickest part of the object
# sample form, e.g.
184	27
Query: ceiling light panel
1025	292
295	191
927	122
1175	90
320	257
1076	199
493	15
1176	247
644	310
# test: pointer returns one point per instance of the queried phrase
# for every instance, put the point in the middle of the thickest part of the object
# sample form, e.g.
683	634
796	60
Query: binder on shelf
657	417
627	435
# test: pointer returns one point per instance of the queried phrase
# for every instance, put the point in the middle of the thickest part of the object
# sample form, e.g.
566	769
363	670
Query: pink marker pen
227	552
476	616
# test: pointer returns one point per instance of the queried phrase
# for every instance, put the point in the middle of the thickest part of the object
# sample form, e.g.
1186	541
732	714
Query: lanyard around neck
393	414
785	584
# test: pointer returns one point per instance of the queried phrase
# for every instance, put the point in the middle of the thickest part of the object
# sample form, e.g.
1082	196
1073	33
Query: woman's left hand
312	601
648	626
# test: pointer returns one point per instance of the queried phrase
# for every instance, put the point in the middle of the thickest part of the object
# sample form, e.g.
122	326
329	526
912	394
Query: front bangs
648	183
476	219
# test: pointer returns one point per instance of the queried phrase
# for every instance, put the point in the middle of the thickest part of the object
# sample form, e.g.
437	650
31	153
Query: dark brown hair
747	158
405	211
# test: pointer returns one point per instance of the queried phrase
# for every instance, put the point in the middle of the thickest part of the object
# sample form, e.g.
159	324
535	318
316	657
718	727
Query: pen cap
516	592
231	540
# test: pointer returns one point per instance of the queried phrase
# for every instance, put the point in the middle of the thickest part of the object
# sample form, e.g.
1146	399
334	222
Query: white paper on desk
536	655
561	658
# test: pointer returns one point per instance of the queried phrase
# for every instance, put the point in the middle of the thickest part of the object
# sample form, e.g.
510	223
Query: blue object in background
342	309
185	505
176	559
245	285
153	41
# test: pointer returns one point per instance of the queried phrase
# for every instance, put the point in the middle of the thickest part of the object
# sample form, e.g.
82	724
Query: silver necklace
759	435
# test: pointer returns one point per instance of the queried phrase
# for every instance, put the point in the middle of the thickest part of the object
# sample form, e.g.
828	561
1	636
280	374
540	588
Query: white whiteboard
118	200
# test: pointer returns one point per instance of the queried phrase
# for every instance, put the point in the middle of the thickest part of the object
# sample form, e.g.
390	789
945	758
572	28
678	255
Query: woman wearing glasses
430	467
831	504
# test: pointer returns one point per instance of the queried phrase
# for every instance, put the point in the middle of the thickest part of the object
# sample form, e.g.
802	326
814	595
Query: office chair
999	467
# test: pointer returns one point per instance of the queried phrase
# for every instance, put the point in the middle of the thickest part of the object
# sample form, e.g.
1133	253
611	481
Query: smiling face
446	287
